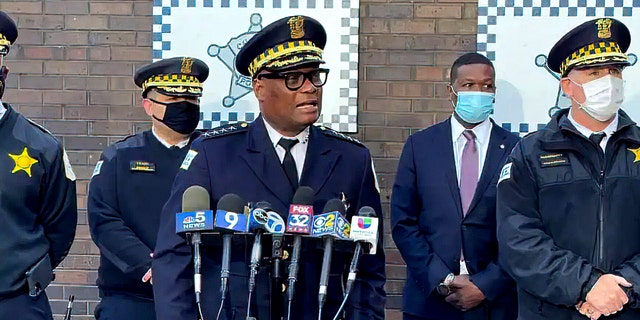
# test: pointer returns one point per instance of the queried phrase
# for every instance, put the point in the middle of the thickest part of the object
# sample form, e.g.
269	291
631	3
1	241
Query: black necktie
597	137
288	164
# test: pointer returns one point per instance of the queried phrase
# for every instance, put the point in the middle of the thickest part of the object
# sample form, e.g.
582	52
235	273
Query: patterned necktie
597	137
468	171
288	164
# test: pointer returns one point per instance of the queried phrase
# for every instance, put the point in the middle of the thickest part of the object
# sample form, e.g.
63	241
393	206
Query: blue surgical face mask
474	106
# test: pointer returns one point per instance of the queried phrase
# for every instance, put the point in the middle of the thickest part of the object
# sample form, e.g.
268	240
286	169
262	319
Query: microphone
364	230
323	225
261	219
195	218
298	223
229	219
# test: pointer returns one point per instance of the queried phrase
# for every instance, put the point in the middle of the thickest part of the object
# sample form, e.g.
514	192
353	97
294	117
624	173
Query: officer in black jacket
568	204
37	204
131	183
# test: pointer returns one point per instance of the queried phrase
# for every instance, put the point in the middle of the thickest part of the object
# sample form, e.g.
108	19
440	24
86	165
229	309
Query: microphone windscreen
367	211
304	195
195	198
334	205
231	202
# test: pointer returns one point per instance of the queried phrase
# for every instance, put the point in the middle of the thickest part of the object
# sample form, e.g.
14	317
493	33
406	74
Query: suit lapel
449	165
263	161
319	162
492	162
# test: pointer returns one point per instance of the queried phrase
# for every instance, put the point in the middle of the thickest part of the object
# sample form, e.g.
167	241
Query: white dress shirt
609	130
483	133
164	142
298	151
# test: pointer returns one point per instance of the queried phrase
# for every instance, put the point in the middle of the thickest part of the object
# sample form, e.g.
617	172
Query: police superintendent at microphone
131	183
37	204
267	160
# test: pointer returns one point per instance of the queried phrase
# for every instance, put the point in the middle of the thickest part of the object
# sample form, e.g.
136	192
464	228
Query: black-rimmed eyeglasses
295	79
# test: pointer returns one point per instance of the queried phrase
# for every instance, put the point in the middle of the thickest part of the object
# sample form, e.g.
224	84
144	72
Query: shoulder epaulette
226	130
335	134
39	126
127	142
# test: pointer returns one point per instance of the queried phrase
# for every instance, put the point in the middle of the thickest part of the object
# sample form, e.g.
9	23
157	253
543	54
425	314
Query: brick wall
72	70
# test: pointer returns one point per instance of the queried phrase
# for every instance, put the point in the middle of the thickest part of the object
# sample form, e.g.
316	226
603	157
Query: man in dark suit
443	206
250	160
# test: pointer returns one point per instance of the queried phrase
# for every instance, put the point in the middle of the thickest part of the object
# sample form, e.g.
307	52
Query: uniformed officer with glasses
267	160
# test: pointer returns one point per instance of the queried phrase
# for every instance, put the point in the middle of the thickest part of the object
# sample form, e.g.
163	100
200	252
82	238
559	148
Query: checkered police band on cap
286	43
180	76
601	41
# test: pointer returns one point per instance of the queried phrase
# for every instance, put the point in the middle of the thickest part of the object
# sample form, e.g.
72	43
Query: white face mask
604	97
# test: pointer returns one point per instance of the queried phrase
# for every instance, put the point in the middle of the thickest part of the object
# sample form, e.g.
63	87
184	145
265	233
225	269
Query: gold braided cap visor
595	53
286	54
174	83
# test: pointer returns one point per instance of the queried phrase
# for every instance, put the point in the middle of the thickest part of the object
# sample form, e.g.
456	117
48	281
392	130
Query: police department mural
518	34
214	31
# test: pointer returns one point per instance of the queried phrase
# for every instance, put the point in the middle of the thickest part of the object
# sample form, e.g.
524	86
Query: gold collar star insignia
636	152
23	162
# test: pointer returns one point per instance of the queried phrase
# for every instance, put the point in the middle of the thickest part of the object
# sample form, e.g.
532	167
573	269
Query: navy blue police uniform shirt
240	159
129	186
37	200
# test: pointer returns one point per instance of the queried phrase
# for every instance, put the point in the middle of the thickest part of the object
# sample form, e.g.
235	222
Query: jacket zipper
601	219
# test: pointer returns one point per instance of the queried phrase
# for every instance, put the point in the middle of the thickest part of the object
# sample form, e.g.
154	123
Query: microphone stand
256	253
197	276
277	277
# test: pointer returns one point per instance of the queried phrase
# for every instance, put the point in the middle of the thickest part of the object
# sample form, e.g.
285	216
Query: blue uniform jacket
429	229
37	200
567	213
130	184
240	159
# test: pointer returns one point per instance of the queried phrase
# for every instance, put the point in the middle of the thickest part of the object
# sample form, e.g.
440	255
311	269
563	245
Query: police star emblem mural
23	162
185	28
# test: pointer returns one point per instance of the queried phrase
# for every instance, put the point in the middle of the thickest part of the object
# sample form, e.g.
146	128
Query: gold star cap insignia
636	153
23	162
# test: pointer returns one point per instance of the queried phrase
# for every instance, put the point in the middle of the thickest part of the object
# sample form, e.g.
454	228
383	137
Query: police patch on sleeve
96	171
187	160
375	176
506	172
68	170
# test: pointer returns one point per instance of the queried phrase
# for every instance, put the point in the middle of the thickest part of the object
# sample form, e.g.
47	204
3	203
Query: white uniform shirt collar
609	130
298	151
274	135
164	142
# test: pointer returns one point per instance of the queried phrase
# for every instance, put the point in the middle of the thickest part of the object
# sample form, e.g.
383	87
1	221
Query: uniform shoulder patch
68	170
226	130
96	170
186	163
335	134
505	173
